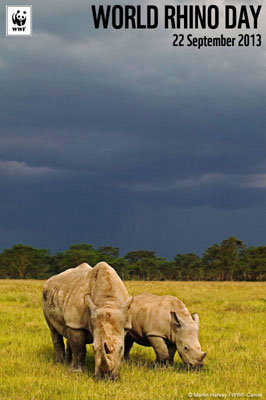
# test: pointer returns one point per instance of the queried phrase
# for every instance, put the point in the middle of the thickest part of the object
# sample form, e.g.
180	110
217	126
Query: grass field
232	331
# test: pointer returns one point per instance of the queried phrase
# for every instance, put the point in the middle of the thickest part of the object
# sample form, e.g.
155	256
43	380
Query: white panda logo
19	18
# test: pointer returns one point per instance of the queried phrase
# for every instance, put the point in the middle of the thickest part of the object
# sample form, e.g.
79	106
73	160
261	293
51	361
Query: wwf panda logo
19	18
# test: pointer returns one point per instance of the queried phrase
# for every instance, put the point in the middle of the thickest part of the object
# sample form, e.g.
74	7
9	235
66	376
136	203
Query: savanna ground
232	331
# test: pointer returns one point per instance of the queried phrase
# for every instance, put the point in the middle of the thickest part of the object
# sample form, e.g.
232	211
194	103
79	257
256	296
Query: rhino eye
186	348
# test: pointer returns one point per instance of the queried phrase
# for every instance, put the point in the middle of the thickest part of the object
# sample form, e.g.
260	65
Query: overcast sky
118	138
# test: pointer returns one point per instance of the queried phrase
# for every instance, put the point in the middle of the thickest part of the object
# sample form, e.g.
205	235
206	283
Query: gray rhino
165	323
88	305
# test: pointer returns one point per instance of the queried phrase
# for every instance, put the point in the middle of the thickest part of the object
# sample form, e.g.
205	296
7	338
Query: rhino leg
68	353
77	342
171	350
58	343
128	346
161	349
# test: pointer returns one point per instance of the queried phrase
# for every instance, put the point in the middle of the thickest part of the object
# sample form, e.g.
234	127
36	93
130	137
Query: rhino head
186	339
109	325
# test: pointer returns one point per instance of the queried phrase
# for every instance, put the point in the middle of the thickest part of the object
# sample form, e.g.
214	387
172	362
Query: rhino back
63	298
105	286
151	315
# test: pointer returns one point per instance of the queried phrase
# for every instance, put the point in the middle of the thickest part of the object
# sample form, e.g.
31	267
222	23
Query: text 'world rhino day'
176	16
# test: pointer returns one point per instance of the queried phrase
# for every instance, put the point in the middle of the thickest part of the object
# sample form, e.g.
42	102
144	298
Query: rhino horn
107	348
104	363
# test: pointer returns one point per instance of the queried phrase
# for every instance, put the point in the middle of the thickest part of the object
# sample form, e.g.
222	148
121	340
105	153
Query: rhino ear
128	324
90	304
128	303
176	321
126	308
195	316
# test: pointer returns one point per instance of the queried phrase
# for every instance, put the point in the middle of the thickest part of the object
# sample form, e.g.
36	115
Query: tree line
230	260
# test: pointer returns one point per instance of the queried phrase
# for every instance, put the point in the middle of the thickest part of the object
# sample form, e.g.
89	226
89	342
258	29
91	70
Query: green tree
136	255
142	264
121	267
211	263
22	261
168	270
147	268
76	255
109	252
231	251
188	265
254	267
222	262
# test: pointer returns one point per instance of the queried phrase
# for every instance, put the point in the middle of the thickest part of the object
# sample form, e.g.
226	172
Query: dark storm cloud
117	137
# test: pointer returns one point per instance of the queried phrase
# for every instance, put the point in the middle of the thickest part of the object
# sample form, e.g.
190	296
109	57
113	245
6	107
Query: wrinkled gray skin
165	323
88	305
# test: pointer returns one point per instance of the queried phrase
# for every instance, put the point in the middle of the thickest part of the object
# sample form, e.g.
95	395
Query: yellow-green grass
232	332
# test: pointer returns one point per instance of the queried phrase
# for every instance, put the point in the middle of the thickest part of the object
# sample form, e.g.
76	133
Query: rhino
88	305
165	323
